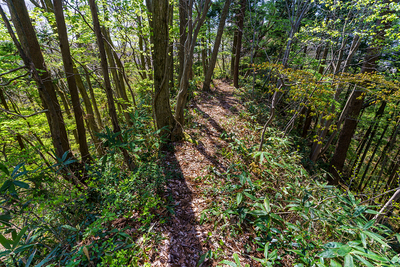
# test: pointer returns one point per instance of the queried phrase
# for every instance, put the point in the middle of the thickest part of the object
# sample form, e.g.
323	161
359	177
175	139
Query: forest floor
212	114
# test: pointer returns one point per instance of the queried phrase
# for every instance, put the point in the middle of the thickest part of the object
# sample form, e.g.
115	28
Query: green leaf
18	238
335	264
6	185
48	258
16	169
23	248
28	262
371	255
368	224
229	263
344	250
267	205
348	261
203	257
69	227
4	169
363	239
359	210
250	196
266	250
4	218
239	198
333	245
376	237
372	212
329	253
258	213
21	184
5	242
5	253
236	258
367	263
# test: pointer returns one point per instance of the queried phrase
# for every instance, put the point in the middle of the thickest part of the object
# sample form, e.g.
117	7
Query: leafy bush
291	216
46	221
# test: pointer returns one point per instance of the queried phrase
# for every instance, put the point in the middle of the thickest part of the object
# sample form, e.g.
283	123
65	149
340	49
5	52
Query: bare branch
11	71
23	116
16	78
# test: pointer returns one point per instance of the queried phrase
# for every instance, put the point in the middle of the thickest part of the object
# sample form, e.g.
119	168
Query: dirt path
190	162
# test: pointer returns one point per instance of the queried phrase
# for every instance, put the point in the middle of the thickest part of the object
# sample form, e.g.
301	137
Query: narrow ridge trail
190	162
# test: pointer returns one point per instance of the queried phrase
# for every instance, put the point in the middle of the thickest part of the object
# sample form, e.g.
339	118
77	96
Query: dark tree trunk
89	113
93	98
32	56
355	105
213	59
234	44
194	27
371	159
239	43
110	100
183	20
204	56
159	21
69	72
323	60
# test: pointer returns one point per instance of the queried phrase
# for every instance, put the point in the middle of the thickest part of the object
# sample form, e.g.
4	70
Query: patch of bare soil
190	162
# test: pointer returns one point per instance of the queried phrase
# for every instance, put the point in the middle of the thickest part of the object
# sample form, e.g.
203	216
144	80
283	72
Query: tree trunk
65	102
119	84
371	159
93	98
104	67
189	50
32	55
239	42
214	56
234	44
69	72
355	105
204	56
183	20
89	114
159	22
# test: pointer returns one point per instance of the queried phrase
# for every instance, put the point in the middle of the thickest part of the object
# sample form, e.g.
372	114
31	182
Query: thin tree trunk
214	56
239	42
361	187
104	67
356	101
117	81
93	98
204	56
68	67
89	114
183	21
234	44
189	50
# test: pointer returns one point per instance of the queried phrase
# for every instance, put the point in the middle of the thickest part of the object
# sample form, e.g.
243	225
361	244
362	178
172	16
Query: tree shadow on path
211	136
185	247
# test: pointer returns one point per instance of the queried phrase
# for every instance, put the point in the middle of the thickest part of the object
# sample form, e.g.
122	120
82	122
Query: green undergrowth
45	221
287	216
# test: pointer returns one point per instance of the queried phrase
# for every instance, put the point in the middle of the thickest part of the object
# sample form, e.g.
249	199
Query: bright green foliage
73	227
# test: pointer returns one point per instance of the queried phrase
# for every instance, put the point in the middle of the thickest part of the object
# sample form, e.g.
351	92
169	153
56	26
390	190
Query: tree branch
23	116
10	71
